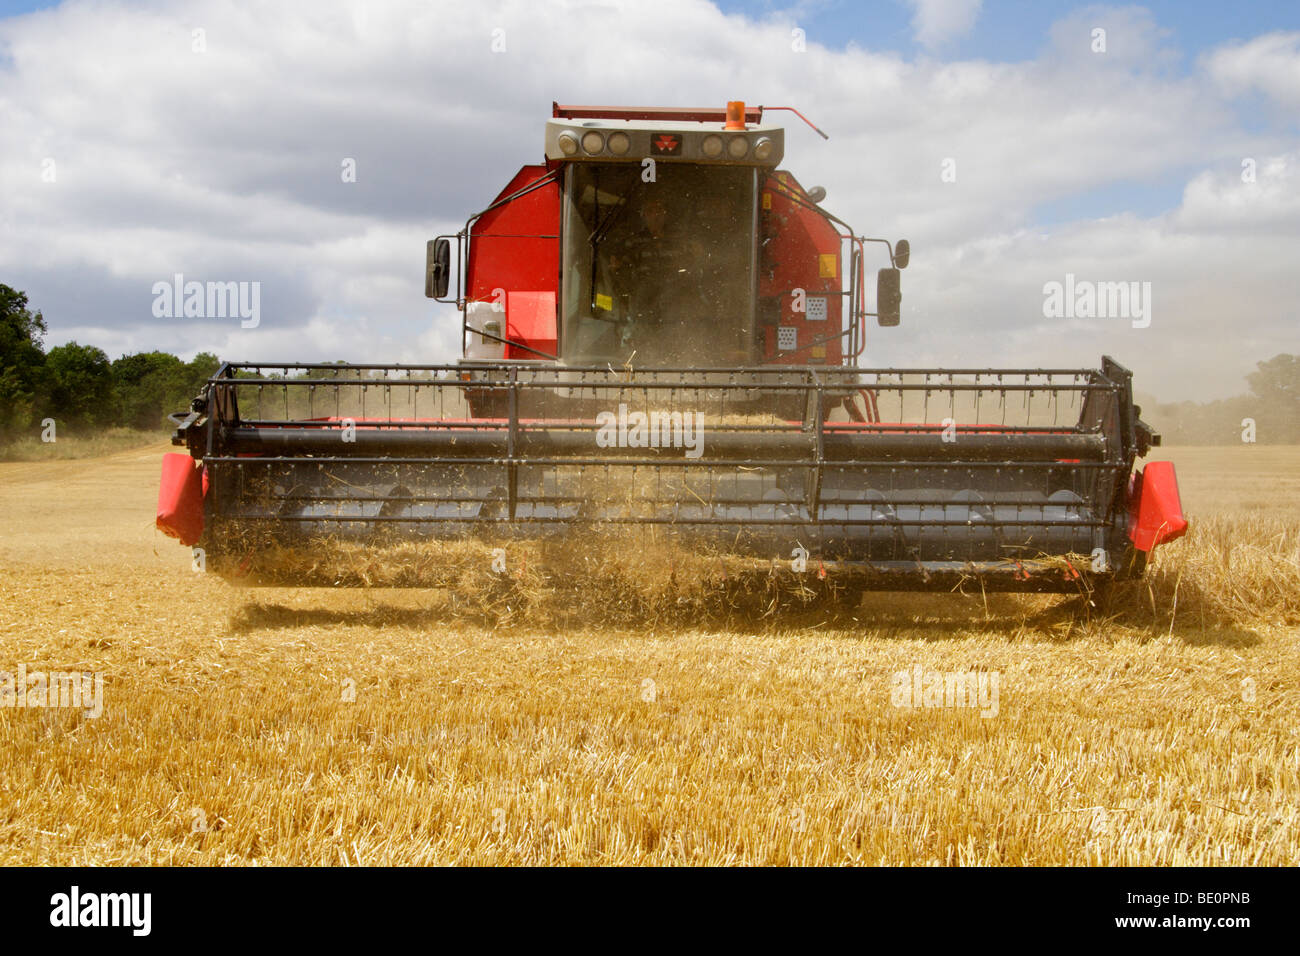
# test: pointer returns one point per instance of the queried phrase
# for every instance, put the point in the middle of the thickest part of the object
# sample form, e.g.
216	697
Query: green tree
143	385
150	385
189	380
81	385
1277	380
201	368
22	361
1276	385
193	376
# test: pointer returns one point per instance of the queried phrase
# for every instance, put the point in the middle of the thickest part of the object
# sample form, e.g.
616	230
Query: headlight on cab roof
619	143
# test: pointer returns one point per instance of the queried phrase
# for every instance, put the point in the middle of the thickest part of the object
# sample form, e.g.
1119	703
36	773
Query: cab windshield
658	273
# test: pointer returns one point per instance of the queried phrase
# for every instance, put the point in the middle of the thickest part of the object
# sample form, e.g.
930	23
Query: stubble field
286	726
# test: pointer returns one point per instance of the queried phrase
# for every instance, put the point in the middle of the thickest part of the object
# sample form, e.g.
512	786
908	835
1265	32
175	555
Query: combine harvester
661	334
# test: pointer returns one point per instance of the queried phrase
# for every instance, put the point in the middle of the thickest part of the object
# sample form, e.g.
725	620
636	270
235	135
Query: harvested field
1157	725
109	441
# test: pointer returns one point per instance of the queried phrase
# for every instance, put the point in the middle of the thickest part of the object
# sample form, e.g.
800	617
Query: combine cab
661	336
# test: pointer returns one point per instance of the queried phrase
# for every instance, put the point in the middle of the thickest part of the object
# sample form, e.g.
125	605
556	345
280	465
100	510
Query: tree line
1268	415
77	386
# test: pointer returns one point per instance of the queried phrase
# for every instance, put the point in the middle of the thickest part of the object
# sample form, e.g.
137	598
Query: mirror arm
888	245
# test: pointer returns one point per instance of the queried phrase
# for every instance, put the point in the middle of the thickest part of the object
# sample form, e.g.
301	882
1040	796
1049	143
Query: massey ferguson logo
666	144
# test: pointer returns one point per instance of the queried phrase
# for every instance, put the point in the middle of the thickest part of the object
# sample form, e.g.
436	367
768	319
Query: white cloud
1269	63
936	22
1257	201
1118	36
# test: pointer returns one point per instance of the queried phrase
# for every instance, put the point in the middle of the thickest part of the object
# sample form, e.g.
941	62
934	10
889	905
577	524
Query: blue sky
1009	30
1005	30
1018	30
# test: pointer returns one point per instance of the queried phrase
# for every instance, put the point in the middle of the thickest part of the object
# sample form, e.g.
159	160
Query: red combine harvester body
516	255
661	332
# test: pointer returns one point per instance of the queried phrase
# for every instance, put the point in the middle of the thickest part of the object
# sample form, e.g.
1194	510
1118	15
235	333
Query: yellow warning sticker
767	200
819	351
826	265
604	302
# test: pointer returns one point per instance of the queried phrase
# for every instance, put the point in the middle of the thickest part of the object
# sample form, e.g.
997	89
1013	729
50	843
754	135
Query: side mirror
902	253
817	194
889	297
437	268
